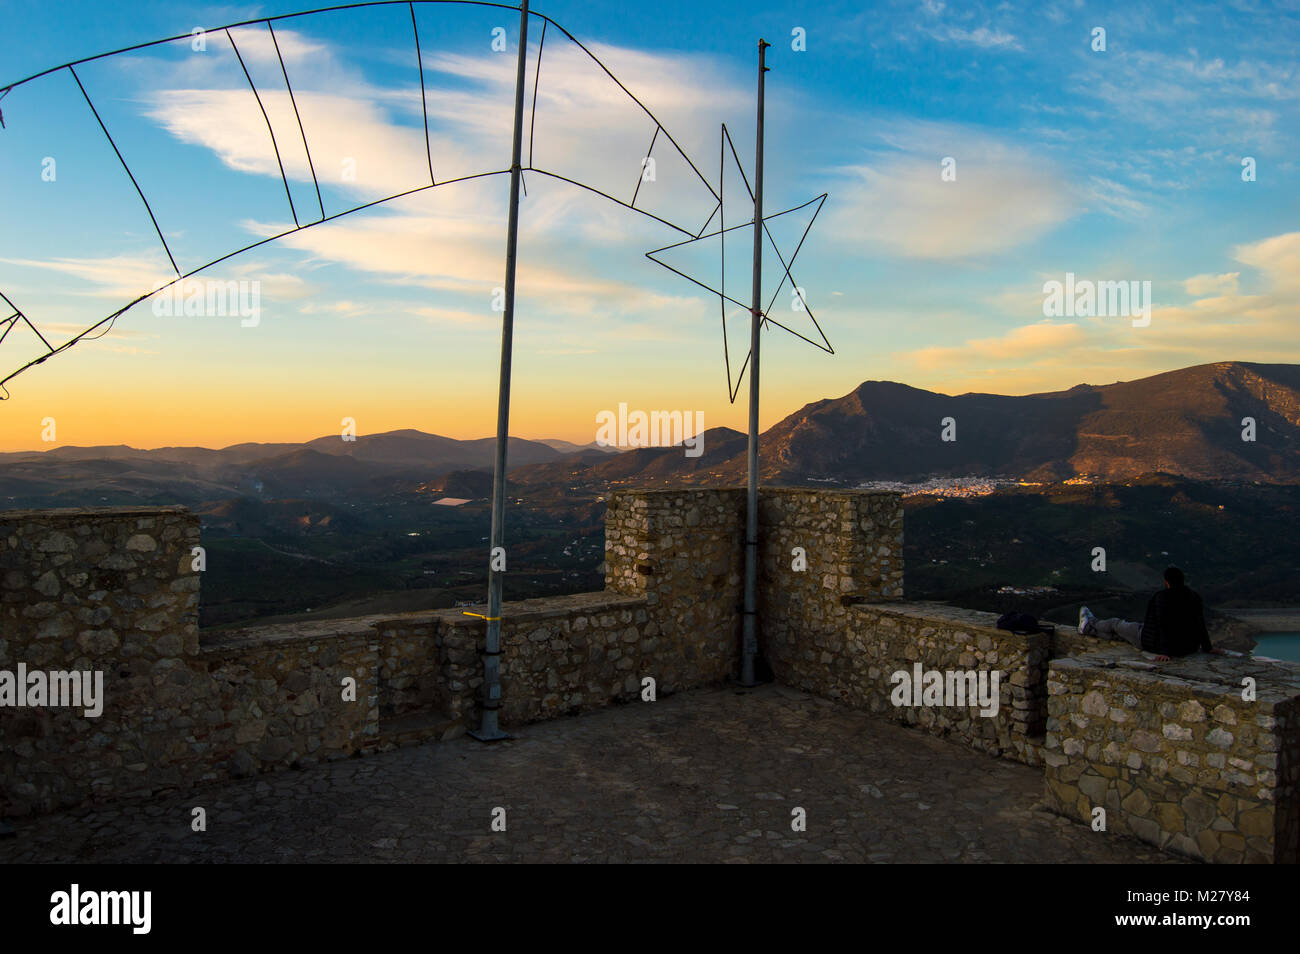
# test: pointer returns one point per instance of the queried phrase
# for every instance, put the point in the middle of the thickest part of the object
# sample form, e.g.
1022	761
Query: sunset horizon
123	423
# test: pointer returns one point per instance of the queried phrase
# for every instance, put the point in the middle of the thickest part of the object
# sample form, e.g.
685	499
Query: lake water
1278	645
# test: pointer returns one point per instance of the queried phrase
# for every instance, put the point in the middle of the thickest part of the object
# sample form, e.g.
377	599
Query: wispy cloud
1203	285
120	276
900	204
1022	344
938	24
1277	257
983	37
1217	323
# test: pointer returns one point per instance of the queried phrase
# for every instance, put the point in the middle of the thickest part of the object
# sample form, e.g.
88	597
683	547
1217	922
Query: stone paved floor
709	775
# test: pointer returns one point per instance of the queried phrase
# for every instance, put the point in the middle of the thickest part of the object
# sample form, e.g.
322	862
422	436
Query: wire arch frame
105	324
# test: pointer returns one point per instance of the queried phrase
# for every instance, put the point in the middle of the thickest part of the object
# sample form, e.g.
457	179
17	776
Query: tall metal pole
489	730
750	644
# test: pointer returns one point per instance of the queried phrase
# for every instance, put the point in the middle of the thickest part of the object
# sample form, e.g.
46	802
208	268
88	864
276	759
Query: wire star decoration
719	212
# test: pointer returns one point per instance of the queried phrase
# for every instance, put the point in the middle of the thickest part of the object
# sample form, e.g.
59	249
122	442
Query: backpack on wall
1023	624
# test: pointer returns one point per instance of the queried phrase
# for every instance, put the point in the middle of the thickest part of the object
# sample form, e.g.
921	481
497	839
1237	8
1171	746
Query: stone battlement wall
856	666
852	544
98	583
111	591
670	612
1167	749
564	654
1174	753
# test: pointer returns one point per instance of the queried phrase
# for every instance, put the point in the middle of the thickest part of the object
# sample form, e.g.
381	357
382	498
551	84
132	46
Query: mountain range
326	466
1189	422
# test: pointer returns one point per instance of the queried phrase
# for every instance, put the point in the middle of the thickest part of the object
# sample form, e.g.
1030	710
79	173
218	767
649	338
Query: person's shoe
1087	622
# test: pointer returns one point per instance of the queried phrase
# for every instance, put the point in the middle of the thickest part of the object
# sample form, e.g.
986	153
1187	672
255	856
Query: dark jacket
1175	623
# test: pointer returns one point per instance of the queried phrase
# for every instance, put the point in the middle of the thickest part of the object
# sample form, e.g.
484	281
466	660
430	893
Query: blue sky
1115	164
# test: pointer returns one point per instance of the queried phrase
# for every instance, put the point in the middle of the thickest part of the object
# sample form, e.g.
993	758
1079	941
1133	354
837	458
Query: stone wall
856	666
274	697
93	591
112	592
670	611
1175	755
852	545
1171	751
682	551
86	584
837	629
562	655
264	697
413	670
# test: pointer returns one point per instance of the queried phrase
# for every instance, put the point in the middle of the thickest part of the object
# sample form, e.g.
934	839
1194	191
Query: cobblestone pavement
708	775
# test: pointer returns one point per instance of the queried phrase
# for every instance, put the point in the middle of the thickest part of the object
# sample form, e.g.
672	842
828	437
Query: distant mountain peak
1186	422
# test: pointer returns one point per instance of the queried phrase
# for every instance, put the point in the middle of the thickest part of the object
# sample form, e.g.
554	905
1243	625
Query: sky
972	153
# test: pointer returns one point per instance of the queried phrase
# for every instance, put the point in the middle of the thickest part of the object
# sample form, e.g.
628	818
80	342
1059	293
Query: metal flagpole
750	644
489	730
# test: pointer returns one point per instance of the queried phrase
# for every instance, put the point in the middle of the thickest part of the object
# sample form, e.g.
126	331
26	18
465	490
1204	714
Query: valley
1006	517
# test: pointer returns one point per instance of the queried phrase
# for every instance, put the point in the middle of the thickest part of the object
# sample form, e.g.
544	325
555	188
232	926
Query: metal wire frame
659	127
296	115
285	179
110	319
107	322
723	297
129	174
424	103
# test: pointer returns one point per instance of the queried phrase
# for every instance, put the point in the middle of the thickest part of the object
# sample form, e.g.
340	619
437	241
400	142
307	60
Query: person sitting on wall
1174	623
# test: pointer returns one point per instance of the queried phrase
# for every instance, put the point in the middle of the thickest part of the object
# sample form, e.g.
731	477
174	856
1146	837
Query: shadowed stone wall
91	583
563	654
852	543
105	591
886	638
670	611
837	629
414	674
1175	755
1171	751
111	591
279	695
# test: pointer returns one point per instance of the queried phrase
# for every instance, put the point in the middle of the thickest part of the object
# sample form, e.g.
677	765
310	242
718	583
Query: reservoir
1278	646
